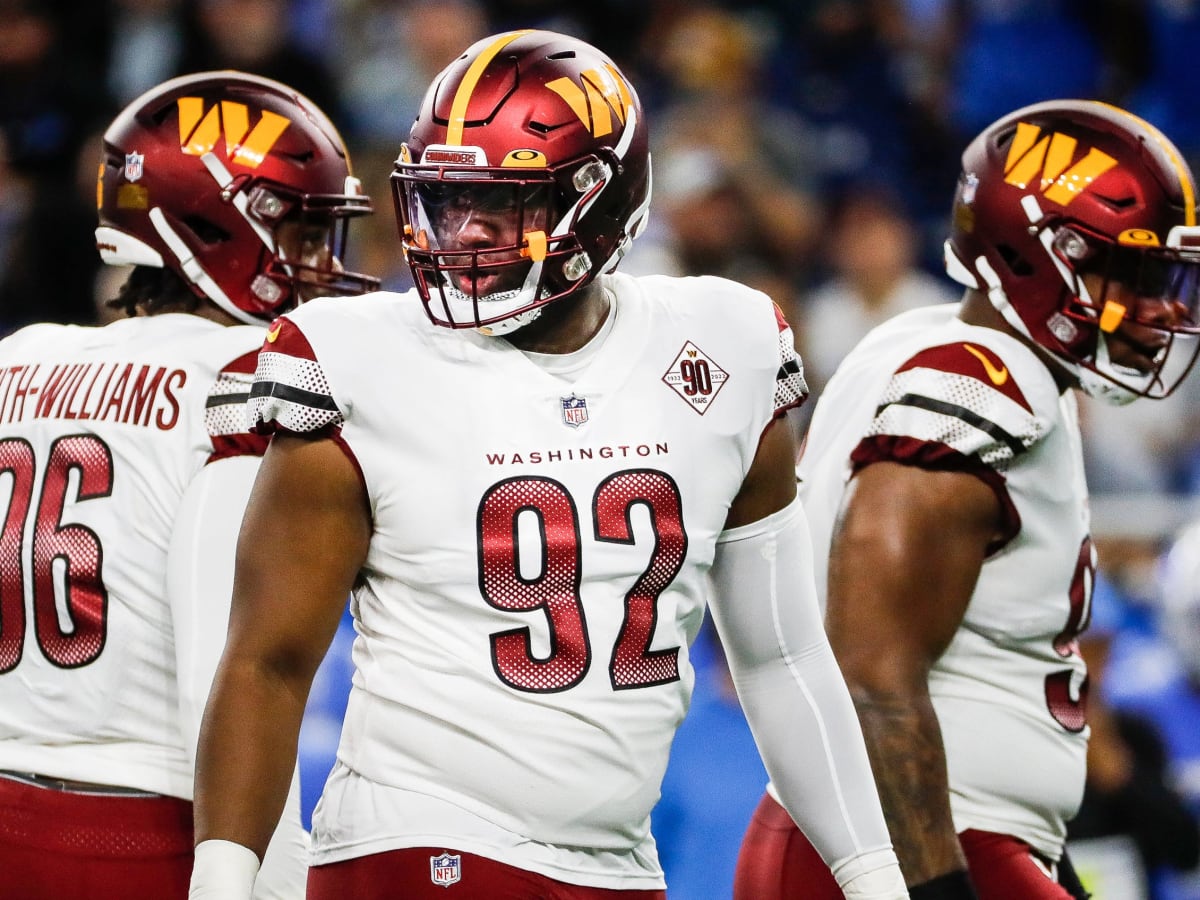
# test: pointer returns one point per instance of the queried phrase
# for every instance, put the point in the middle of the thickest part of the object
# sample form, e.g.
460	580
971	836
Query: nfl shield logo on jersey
445	869
574	410
133	166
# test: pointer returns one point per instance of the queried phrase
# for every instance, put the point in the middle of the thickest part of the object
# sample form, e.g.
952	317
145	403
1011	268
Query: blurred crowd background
806	147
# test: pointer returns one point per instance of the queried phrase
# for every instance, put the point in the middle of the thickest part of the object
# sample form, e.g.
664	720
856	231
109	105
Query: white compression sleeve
199	586
796	702
223	871
200	578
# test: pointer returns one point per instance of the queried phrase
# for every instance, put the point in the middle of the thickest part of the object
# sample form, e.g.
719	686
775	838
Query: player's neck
565	325
977	309
204	310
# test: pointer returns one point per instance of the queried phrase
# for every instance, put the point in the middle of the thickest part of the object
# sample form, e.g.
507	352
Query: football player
123	453
944	481
526	469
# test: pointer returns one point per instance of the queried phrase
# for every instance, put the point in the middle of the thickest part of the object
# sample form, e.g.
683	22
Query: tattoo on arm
905	745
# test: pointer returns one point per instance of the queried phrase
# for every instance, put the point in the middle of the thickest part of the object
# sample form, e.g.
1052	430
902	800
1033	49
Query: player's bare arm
770	484
904	561
303	541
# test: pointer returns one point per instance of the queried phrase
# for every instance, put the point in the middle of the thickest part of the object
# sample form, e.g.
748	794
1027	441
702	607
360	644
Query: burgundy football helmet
1079	222
540	137
201	173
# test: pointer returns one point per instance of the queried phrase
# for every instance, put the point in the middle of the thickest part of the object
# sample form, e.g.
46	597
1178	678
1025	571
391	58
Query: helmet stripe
1185	179
458	109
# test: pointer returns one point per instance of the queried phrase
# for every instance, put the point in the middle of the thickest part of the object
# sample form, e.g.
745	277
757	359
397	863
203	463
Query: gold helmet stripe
458	109
1181	169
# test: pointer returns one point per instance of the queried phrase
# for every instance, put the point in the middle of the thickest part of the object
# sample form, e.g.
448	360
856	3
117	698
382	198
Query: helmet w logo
602	95
1047	159
199	130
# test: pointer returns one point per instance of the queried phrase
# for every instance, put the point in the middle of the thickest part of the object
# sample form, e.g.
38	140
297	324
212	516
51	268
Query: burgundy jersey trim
226	446
285	337
225	410
935	456
337	437
780	318
243	365
972	360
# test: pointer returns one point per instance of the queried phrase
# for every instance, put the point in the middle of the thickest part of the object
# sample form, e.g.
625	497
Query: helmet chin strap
192	269
1091	383
999	299
195	272
508	325
511	324
1096	385
223	178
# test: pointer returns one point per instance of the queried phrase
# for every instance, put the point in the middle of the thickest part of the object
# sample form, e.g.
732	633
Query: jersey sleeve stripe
225	411
215	401
791	389
290	394
1015	444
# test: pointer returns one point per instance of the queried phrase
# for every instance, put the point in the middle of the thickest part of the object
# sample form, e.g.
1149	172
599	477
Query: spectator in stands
1132	823
872	251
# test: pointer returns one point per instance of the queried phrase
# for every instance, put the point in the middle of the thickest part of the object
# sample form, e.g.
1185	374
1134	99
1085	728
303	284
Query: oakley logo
1048	159
602	95
199	130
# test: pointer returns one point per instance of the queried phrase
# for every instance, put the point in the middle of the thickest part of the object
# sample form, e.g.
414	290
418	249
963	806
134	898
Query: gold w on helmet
1050	156
199	130
602	95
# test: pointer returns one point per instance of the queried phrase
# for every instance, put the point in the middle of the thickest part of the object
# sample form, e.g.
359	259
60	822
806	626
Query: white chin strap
462	308
511	324
1096	385
1091	383
195	272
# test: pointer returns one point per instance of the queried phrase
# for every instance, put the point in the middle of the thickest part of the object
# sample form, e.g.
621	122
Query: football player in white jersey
124	465
528	470
944	481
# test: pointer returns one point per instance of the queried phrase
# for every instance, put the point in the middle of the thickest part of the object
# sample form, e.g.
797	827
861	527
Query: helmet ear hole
1016	263
206	231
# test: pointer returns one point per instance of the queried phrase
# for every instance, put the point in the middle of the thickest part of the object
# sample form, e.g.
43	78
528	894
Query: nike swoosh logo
998	376
274	333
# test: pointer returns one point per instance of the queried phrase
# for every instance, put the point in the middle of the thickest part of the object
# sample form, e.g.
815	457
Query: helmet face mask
309	240
1145	303
480	237
212	175
1079	222
511	195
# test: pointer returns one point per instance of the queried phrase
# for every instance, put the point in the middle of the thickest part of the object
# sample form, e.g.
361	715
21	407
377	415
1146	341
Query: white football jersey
928	390
543	529
101	429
